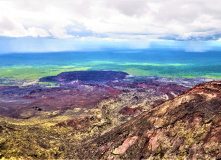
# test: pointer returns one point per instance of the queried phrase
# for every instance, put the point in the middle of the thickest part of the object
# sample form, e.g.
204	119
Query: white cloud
120	19
11	28
35	32
129	7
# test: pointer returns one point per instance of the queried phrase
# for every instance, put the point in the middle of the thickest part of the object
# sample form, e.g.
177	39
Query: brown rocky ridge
186	127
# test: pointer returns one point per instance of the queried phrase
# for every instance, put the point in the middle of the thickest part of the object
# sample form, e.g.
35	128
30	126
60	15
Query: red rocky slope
186	127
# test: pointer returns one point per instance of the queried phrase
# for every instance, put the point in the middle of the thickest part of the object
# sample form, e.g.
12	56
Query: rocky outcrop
186	127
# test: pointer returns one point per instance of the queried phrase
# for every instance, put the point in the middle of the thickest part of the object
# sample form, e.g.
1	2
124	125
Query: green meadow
34	73
163	70
138	69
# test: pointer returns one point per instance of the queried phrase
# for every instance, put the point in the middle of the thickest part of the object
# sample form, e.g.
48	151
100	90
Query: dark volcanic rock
85	76
186	127
27	101
53	99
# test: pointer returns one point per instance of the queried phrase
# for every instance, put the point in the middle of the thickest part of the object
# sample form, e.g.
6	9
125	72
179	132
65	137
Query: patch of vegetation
183	71
48	84
34	73
41	138
38	138
5	85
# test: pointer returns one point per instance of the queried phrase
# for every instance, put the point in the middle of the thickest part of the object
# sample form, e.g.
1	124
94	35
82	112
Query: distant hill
85	76
186	127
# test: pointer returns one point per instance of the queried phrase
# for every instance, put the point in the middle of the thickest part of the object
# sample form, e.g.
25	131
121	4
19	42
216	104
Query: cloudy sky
56	25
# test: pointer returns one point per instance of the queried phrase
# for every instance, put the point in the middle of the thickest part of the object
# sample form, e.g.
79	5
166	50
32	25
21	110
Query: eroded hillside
186	127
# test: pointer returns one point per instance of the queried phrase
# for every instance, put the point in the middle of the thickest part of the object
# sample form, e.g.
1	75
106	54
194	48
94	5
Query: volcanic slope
186	127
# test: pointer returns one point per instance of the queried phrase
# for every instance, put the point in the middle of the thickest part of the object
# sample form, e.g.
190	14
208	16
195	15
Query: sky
65	25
